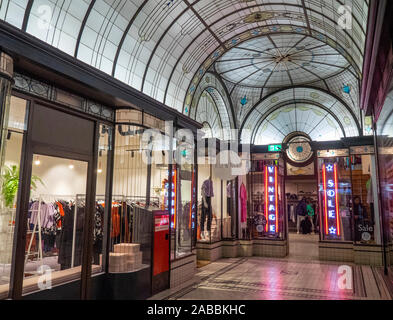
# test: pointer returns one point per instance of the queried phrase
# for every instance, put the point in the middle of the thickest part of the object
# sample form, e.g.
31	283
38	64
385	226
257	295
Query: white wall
58	178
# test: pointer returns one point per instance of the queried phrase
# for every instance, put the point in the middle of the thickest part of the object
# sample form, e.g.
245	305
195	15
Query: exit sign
275	148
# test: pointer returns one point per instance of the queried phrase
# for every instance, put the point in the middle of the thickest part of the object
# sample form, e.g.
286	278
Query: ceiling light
37	161
71	166
99	167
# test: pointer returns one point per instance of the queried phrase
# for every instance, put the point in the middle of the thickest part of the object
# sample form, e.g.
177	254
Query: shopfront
89	208
349	221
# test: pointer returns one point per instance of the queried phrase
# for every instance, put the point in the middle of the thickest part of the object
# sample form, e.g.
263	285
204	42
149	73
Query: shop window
131	220
363	204
385	166
335	198
104	148
210	200
55	226
14	129
265	202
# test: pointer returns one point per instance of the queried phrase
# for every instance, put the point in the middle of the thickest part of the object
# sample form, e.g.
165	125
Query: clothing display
206	214
207	188
243	201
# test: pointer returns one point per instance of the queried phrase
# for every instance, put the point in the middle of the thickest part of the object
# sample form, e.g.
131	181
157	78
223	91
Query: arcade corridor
196	149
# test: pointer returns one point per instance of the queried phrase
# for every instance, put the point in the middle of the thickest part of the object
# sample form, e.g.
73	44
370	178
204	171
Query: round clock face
299	150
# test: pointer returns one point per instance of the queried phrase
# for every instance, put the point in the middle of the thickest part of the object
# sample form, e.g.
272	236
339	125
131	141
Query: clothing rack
37	226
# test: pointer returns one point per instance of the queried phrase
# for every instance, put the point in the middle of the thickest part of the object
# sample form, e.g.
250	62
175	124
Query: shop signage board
271	199
333	153
362	150
331	209
266	156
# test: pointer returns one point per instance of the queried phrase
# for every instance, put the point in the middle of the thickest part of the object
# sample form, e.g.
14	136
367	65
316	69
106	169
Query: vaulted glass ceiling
165	48
317	123
305	107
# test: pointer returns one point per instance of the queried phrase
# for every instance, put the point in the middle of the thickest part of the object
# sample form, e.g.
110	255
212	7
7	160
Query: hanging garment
292	213
243	201
115	228
66	237
207	188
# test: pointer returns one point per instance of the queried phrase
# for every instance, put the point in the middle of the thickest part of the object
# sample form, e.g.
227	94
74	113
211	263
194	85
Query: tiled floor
300	276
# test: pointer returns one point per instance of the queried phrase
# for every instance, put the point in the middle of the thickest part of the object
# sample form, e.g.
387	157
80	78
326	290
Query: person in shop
310	214
301	212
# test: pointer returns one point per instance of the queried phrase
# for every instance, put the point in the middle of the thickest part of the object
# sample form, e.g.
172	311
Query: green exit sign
275	148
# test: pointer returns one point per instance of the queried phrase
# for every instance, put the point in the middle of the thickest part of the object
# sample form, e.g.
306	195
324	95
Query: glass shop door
56	222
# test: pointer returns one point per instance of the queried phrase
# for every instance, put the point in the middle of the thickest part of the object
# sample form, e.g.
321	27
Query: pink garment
243	202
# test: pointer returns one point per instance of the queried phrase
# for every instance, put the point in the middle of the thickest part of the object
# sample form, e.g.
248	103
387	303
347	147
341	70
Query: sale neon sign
271	199
331	208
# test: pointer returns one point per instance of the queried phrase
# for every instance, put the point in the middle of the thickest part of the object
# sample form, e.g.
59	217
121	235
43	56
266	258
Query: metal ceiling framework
298	97
165	48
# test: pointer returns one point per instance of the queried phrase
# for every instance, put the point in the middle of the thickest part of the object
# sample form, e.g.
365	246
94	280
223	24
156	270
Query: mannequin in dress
207	193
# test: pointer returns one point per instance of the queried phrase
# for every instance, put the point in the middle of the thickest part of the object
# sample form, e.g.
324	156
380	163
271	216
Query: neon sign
271	199
331	208
166	200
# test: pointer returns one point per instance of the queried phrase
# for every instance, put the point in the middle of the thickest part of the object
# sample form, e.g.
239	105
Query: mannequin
230	209
207	193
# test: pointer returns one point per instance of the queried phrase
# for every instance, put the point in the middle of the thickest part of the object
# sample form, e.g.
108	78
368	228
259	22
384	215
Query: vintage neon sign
271	199
331	208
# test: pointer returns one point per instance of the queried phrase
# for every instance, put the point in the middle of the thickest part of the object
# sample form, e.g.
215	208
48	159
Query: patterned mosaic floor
300	276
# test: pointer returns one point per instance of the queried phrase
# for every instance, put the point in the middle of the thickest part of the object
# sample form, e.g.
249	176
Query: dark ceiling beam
242	59
306	16
232	109
27	15
207	27
313	73
21	45
298	85
123	38
297	43
256	51
323	63
159	42
281	54
82	28
246	66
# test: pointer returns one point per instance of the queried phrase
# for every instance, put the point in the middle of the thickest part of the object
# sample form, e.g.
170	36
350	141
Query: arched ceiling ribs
264	118
120	46
91	5
27	15
228	96
217	54
296	100
288	103
236	12
214	87
158	43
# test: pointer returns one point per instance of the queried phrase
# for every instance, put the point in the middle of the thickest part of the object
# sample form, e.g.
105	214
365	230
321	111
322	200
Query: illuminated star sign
329	168
332	230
